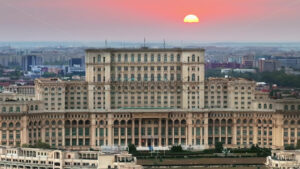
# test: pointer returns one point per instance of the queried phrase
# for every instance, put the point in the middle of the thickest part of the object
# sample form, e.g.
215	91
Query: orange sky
132	20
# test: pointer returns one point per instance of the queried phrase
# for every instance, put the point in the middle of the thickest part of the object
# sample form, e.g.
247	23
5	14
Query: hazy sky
132	20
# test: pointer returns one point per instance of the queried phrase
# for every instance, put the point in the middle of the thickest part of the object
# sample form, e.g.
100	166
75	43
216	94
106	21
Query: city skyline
219	21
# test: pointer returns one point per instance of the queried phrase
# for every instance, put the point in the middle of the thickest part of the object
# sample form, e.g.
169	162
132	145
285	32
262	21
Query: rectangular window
198	131
87	131
155	130
116	131
163	131
149	131
129	131
136	131
182	131
176	131
80	132
122	131
67	131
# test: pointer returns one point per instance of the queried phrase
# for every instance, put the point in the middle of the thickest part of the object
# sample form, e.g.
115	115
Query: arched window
265	106
74	122
183	122
270	106
285	122
259	106
3	124
116	122
68	122
11	124
36	107
18	124
286	107
193	58
292	107
292	122
193	77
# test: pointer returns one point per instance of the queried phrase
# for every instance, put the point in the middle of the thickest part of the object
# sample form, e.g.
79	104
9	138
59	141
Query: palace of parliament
147	97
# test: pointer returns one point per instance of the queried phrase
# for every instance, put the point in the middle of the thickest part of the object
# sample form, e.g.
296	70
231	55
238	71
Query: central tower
145	78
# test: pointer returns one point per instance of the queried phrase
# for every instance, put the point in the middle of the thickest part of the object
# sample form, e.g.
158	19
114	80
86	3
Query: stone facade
148	97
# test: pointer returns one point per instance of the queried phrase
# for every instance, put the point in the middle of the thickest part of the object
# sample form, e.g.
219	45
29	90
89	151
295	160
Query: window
119	57
67	131
126	58
193	77
158	58
99	58
286	107
193	58
178	58
73	131
158	77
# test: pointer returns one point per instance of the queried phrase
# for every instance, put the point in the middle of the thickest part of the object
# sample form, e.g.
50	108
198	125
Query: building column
140	132
173	133
132	132
93	131
206	129
126	132
255	134
63	133
109	130
119	134
189	133
234	132
166	133
24	131
159	132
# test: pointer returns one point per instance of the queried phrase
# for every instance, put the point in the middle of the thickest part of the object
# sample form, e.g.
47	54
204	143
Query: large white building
148	97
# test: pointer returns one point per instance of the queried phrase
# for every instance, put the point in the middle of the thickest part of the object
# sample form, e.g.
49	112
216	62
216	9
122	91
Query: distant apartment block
267	65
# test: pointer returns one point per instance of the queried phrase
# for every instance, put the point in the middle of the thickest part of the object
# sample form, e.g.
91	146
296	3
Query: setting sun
191	19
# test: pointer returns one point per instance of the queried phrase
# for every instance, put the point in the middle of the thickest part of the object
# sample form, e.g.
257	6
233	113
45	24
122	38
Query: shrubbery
39	144
177	148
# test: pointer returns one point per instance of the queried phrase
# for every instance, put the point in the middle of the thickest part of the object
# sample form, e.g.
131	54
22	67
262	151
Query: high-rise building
267	65
30	60
248	61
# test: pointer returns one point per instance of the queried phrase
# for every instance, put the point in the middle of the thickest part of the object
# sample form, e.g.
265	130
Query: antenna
105	43
164	44
144	42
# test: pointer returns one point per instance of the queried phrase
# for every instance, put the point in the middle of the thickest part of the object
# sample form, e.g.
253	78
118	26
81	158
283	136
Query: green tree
218	147
132	149
298	144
